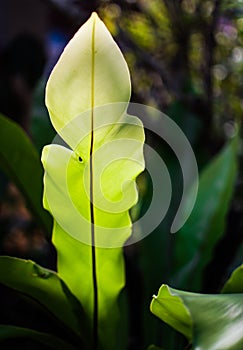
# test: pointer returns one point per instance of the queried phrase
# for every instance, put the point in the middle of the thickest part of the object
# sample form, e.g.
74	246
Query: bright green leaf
45	287
20	162
75	269
195	242
90	188
171	309
10	332
91	72
210	322
235	282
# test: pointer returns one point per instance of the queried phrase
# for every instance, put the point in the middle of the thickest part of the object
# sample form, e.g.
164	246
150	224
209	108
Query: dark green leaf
210	321
195	242
10	332
20	162
45	287
235	282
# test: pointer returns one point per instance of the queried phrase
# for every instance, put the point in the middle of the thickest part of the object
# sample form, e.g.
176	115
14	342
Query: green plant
87	96
83	96
209	321
19	161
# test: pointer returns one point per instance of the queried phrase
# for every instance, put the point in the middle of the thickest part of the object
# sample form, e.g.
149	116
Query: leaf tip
94	16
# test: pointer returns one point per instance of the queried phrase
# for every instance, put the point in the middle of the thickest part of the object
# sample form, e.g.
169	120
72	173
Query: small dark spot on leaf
80	159
39	272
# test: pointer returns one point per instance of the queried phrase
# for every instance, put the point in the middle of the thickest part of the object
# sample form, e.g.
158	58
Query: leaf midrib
93	252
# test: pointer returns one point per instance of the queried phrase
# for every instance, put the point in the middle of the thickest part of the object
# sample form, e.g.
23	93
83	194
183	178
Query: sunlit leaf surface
90	187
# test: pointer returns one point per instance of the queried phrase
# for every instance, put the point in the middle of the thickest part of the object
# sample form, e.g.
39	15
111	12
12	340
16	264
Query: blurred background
186	59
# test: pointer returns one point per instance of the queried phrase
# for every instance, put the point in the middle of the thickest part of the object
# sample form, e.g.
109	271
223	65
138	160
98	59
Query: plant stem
94	276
